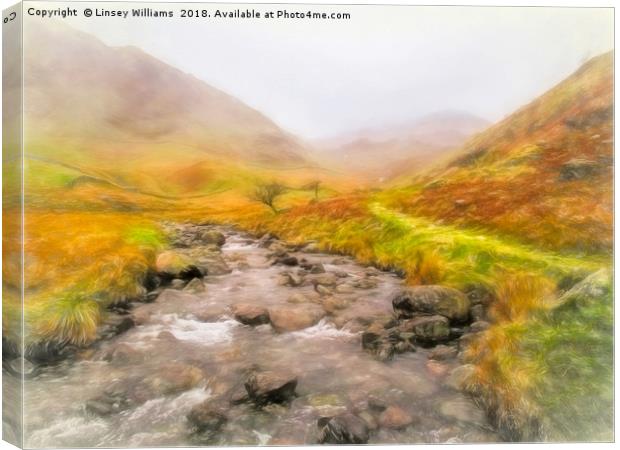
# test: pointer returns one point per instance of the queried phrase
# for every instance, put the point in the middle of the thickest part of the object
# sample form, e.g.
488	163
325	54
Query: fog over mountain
383	66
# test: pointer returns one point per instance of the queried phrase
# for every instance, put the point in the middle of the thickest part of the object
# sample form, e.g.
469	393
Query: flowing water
179	329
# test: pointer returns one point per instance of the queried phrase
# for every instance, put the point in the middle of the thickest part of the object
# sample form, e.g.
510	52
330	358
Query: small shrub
70	319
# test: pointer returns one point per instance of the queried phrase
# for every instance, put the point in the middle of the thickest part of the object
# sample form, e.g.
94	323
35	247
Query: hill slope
543	174
136	122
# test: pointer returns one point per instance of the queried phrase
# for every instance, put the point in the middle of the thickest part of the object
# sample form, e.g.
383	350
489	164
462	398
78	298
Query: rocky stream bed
247	341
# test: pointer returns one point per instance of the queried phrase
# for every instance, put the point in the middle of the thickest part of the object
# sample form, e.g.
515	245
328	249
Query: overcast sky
385	65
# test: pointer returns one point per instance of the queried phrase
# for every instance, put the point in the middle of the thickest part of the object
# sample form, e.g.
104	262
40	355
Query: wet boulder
105	405
436	369
460	377
190	272
271	387
293	318
207	417
174	378
432	299
345	289
311	247
322	290
343	429
249	314
479	326
385	343
177	284
333	304
114	325
463	410
428	329
325	279
365	283
213	264
21	367
290	279
212	237
286	260
266	240
117	397
478	313
442	353
396	418
195	286
171	263
313	268
123	353
278	249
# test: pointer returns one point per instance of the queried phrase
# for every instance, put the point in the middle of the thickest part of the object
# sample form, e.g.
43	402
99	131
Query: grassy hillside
542	174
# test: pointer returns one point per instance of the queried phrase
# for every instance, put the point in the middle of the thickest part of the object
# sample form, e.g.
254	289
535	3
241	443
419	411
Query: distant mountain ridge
385	152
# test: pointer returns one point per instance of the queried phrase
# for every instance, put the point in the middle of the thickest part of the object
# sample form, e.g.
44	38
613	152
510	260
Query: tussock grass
545	368
77	264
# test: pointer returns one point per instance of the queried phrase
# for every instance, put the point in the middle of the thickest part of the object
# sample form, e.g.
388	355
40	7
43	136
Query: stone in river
463	410
343	429
333	304
207	417
396	418
195	286
432	299
442	352
428	328
249	314
123	353
286	260
293	318
173	378
460	377
436	368
271	387
177	284
212	237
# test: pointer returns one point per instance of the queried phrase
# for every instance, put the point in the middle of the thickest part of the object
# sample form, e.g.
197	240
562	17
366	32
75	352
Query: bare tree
313	186
267	193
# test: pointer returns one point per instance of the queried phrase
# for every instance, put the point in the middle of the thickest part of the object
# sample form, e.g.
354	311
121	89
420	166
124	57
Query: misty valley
195	273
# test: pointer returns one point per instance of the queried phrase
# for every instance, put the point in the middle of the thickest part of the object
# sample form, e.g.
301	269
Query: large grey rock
432	299
428	328
271	387
343	429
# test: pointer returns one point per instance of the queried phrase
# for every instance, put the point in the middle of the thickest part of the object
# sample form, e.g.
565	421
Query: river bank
265	349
